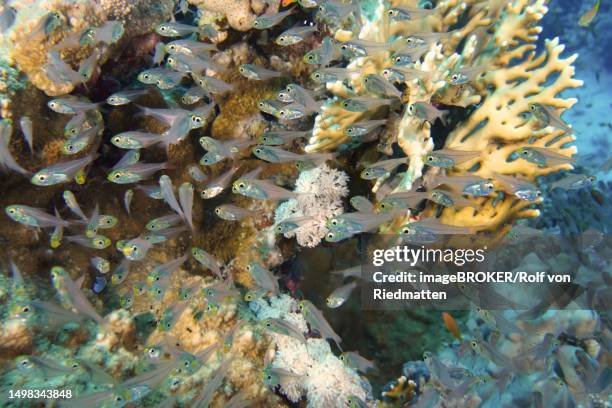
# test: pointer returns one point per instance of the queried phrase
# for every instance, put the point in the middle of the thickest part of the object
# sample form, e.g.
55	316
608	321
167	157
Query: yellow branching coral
492	42
240	14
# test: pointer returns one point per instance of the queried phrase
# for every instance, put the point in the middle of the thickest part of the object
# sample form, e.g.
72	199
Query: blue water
591	116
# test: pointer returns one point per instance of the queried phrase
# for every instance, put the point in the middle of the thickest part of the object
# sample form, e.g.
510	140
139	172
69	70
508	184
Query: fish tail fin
444	117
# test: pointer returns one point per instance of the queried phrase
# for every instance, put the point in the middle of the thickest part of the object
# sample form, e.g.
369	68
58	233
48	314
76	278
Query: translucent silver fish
426	111
186	201
217	185
167	192
61	172
109	33
316	319
125	97
380	86
270	20
295	35
136	139
339	296
257	73
7	162
230	212
26	128
189	47
212	85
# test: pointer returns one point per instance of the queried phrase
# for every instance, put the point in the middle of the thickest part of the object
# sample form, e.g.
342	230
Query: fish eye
12	211
25	309
146	76
117	175
344	47
42	178
241	185
241	69
261	104
473	343
538	193
454	77
410	109
172	47
430	158
282	113
258	151
310	57
367	174
405	230
162	28
217	210
330	235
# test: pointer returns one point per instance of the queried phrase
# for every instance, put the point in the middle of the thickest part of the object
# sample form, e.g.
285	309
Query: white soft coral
321	191
326	381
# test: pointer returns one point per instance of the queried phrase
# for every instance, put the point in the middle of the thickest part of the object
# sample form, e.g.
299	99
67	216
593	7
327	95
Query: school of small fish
187	72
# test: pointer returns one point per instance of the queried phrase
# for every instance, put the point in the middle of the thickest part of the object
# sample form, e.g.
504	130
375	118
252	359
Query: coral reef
240	14
175	277
28	49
